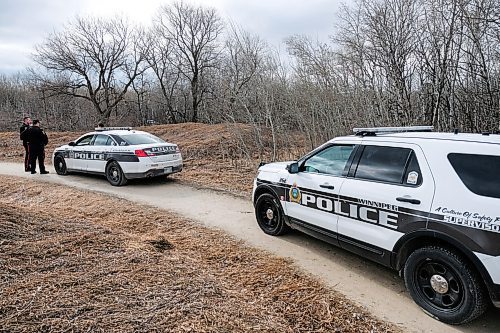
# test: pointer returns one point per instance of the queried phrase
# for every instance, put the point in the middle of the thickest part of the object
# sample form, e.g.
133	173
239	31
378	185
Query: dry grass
71	261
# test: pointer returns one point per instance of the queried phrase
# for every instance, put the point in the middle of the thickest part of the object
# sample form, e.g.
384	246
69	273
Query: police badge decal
295	194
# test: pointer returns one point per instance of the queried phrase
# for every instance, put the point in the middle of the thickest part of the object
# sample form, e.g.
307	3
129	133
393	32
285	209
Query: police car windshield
139	139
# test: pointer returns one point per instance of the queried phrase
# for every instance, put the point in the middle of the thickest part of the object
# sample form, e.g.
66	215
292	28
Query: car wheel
270	215
444	285
60	165
114	174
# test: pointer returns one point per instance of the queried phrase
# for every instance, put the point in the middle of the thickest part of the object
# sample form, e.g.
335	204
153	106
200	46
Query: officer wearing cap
37	140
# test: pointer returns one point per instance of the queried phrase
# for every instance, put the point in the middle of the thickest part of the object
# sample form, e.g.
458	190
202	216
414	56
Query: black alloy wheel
270	215
444	285
114	174
60	165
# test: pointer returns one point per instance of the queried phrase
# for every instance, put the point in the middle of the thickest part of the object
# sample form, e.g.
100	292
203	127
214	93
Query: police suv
119	153
424	203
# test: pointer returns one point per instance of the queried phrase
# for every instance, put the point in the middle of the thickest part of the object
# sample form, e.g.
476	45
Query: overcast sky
25	23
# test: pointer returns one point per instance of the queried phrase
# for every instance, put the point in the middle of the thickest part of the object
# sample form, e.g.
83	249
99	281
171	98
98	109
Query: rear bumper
154	172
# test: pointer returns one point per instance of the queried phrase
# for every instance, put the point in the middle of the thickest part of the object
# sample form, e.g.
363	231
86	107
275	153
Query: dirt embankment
70	261
222	156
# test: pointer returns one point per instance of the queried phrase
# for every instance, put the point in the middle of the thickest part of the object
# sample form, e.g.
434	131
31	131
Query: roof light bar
100	129
374	130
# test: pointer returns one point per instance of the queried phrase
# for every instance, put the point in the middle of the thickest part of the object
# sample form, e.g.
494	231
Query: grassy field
71	261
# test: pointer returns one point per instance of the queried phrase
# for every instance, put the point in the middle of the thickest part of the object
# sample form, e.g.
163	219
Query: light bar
393	129
99	129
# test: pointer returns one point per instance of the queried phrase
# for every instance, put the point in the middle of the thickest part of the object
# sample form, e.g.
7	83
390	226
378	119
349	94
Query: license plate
167	170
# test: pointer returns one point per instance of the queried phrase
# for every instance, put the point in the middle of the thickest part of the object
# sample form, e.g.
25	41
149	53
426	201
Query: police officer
37	140
26	124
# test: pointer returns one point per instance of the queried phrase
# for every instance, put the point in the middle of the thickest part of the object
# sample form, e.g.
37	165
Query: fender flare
411	241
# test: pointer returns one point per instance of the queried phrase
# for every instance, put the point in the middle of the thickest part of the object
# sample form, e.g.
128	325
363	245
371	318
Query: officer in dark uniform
37	140
26	124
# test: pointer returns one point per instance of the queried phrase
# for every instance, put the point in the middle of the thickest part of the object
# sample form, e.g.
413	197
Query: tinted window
100	140
386	164
331	160
140	139
85	141
110	142
480	173
119	140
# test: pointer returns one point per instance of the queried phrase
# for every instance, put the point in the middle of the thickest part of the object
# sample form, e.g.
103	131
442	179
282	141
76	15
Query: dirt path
378	289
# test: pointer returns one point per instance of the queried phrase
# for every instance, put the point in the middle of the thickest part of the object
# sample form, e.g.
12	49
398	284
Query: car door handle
330	187
409	200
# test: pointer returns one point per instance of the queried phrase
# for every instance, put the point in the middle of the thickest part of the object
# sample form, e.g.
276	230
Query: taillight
141	153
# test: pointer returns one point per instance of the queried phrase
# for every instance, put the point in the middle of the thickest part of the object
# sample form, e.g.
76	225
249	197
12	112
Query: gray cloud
25	23
275	20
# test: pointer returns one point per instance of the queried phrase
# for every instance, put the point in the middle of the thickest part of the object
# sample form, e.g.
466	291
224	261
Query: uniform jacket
35	136
23	128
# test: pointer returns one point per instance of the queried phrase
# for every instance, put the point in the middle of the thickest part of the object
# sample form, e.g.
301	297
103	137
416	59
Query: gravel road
374	287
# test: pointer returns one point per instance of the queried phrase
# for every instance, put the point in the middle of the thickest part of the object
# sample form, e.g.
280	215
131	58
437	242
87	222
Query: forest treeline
387	63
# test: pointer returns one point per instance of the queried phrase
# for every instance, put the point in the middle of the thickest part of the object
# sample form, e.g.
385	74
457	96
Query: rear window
137	139
479	173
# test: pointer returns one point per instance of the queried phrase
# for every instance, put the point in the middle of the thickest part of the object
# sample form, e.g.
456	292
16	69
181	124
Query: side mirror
293	167
71	144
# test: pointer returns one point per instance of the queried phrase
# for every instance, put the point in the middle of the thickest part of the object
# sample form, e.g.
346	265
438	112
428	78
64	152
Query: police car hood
275	167
63	147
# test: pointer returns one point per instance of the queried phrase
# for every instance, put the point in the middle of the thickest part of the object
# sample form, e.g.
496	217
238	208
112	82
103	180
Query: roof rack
100	129
372	131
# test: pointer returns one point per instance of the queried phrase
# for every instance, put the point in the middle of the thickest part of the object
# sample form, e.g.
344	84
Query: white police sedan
119	153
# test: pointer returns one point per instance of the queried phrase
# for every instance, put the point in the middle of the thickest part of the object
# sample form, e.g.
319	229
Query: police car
119	153
424	203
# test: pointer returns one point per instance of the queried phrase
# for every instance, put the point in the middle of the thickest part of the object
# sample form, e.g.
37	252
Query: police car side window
479	173
85	141
100	140
119	140
110	142
384	164
331	160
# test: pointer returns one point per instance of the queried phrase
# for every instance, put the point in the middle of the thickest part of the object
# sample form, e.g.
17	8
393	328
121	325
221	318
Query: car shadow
386	277
131	182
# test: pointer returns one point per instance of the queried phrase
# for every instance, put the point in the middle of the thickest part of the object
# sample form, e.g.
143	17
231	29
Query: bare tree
315	61
93	59
166	67
194	32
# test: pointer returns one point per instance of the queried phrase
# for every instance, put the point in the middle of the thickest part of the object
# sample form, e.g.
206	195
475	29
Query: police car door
78	153
388	193
314	189
96	159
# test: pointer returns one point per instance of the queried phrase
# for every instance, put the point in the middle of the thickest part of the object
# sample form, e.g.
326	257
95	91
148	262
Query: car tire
114	174
60	165
444	285
269	215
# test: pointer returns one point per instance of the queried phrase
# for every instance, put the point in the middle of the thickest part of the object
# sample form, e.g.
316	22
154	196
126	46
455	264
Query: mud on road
376	289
